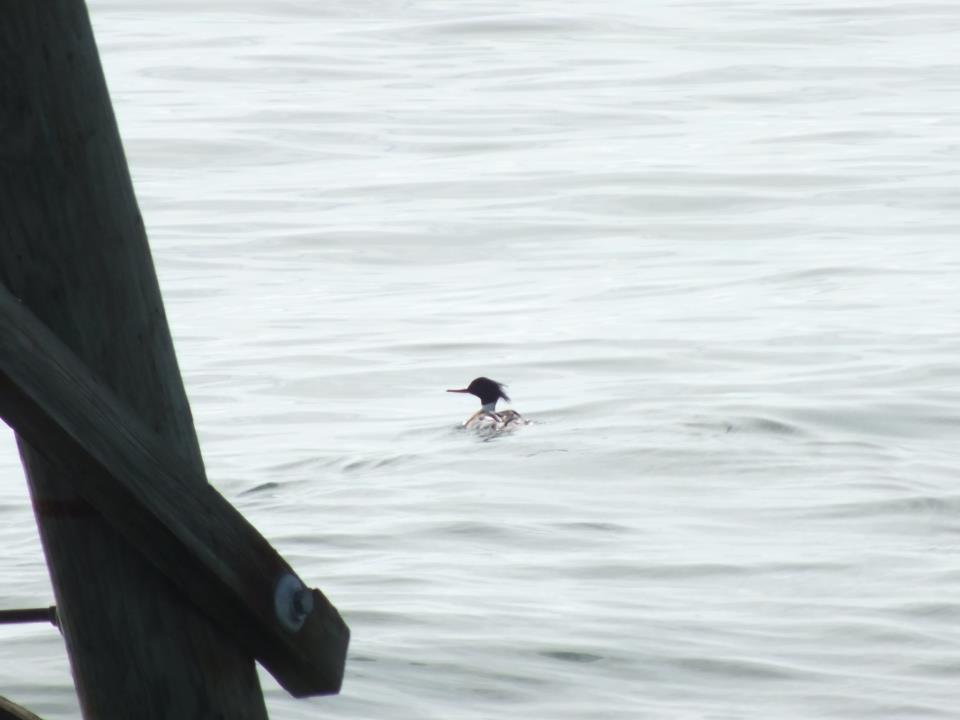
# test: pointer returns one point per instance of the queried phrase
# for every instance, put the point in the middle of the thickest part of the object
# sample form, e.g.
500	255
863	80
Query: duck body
494	421
488	419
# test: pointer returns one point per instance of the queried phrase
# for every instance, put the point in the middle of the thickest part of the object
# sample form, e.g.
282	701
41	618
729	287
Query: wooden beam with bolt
165	594
186	529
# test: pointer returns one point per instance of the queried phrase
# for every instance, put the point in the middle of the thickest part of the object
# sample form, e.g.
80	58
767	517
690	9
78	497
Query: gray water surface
711	247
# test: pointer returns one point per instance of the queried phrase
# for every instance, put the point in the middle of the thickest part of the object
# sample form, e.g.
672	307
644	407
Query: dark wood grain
9	710
124	472
73	250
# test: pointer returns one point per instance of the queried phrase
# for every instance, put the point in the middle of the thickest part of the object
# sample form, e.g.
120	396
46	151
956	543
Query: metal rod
27	615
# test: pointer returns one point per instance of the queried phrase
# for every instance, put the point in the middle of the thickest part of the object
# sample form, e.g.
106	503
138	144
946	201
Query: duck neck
489	407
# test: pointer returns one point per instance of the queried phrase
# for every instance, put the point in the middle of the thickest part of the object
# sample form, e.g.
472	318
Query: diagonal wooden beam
186	529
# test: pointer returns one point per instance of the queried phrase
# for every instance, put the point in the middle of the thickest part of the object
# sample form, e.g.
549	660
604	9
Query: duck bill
461	390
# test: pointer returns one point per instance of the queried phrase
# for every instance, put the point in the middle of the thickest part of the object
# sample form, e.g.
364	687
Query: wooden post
74	250
182	525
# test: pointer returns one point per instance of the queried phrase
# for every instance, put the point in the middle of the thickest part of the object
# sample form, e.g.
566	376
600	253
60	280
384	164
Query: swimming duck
487	417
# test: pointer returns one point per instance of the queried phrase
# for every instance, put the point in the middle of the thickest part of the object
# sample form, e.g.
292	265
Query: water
711	246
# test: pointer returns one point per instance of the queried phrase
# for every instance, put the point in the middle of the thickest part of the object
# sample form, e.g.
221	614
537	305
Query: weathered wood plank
74	250
187	529
9	710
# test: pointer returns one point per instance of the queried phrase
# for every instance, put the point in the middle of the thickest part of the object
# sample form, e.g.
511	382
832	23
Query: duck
488	418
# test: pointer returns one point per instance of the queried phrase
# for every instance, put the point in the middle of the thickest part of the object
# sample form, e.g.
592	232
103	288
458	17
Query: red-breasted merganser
487	417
